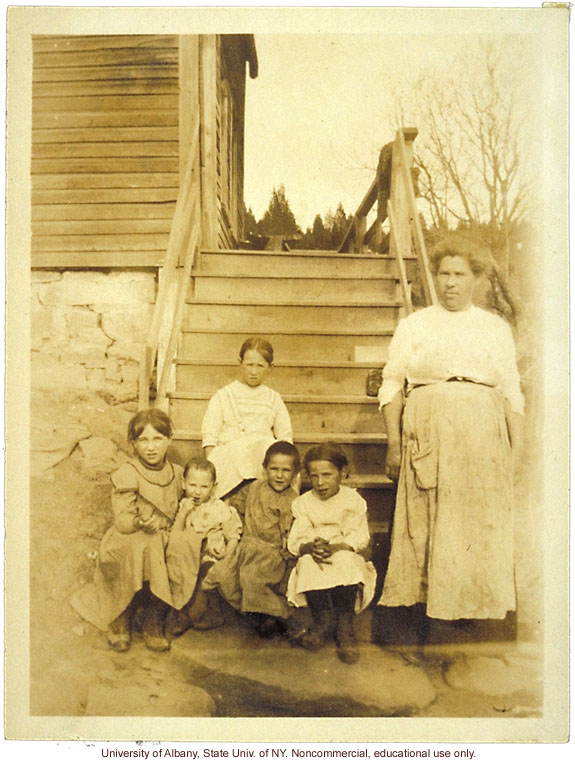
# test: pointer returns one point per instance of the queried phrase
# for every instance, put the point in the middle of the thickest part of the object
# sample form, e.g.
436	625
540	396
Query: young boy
253	580
216	528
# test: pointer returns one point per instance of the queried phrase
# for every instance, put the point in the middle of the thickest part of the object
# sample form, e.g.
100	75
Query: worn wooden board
125	86
104	195
111	148
142	242
98	259
157	70
99	227
111	180
105	165
61	119
104	134
83	103
104	211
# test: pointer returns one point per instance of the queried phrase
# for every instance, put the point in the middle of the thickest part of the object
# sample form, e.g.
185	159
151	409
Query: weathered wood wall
112	118
105	154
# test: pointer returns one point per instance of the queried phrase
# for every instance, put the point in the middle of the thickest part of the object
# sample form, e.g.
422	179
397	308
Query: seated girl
329	530
206	531
252	580
131	574
243	419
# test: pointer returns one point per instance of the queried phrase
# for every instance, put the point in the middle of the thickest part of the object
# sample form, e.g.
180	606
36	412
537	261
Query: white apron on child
241	423
341	518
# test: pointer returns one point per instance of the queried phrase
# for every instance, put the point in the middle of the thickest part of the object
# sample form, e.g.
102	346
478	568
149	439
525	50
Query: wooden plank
133	180
94	211
103	165
156	242
415	224
399	258
50	42
90	260
93	150
208	97
105	134
108	73
189	96
126	86
105	195
106	57
98	119
100	227
82	104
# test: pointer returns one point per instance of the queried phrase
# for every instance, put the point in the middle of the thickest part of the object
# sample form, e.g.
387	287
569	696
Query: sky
323	105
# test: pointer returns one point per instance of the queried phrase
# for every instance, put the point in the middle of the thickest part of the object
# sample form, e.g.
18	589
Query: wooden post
189	106
406	154
398	196
208	117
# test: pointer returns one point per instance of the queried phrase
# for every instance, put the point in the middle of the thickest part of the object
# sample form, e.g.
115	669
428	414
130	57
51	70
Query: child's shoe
212	617
178	622
323	620
344	601
119	635
347	649
153	626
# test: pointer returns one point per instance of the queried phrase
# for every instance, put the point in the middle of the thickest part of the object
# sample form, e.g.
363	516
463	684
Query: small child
252	580
131	575
329	530
213	529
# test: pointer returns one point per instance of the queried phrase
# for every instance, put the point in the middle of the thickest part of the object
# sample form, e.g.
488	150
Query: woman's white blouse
434	344
253	410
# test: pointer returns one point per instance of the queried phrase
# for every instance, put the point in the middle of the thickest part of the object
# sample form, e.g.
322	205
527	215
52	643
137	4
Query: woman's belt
454	378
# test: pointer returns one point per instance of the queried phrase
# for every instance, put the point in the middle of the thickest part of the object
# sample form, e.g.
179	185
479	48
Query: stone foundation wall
88	329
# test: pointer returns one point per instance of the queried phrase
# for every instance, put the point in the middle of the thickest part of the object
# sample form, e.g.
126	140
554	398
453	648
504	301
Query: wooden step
287	343
261	317
279	288
334	414
311	377
365	452
296	263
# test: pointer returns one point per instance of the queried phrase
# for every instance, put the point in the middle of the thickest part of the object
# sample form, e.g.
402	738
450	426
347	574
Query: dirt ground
226	672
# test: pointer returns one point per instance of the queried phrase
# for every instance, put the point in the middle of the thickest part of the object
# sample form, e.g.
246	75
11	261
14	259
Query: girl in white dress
243	419
328	533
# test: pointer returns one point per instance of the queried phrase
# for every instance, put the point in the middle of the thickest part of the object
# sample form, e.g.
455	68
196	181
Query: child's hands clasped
321	550
150	525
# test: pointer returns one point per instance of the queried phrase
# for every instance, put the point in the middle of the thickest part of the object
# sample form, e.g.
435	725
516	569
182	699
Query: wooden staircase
322	312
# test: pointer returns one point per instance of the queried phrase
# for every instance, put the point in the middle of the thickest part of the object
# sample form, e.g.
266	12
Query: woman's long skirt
452	539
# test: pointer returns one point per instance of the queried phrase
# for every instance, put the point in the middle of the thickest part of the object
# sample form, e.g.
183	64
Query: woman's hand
393	461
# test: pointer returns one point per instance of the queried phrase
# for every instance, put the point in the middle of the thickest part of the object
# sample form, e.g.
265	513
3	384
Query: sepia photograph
287	374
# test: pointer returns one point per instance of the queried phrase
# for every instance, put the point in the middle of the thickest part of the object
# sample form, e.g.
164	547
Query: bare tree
470	151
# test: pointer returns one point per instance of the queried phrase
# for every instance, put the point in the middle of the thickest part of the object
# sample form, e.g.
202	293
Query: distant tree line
325	234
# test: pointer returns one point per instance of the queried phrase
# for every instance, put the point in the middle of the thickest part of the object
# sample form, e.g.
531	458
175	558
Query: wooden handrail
416	231
393	190
175	279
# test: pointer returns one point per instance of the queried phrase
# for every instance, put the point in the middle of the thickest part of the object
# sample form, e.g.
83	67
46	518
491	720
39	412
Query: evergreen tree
279	218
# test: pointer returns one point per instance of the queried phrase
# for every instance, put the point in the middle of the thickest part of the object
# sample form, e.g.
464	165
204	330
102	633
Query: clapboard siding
109	143
103	211
105	150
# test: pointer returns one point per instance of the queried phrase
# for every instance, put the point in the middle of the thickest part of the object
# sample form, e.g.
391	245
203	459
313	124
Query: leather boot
119	634
344	602
212	617
153	625
319	602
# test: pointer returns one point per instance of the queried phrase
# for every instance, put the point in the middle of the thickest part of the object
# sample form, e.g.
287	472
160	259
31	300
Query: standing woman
452	448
